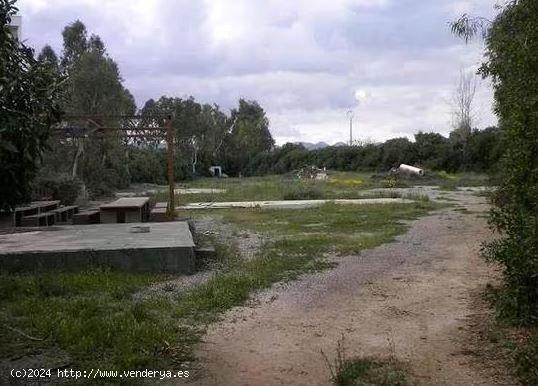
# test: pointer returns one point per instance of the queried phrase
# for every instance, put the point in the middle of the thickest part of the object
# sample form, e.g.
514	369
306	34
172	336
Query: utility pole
350	116
171	208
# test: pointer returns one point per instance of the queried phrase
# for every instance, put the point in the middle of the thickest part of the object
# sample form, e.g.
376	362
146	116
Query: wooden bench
65	213
39	220
87	217
46	206
161	205
23	211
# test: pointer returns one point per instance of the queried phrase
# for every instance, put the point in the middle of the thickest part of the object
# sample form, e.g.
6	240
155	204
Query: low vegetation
519	344
365	371
339	185
370	371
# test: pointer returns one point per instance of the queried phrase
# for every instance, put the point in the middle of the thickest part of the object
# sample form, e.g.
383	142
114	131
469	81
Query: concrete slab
168	247
290	204
152	192
199	191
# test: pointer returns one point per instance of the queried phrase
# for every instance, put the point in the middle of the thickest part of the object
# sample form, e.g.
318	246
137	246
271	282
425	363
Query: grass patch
91	315
451	181
371	371
304	192
367	371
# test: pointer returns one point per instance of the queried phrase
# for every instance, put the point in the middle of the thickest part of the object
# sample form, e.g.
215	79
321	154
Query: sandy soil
416	298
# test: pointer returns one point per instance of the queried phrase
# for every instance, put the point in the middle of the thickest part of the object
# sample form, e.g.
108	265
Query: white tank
411	169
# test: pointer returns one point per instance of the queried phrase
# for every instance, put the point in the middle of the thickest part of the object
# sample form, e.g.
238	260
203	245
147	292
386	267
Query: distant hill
312	146
319	145
340	144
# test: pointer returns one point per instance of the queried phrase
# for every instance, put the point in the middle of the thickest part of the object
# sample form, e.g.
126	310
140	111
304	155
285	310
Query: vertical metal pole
351	130
171	208
350	115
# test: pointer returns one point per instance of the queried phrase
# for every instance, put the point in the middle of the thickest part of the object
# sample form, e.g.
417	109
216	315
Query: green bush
57	187
512	67
147	166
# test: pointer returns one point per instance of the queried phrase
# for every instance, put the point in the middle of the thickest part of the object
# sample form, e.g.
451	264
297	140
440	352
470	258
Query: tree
75	44
484	150
462	103
201	131
93	86
432	149
28	109
397	151
249	136
49	57
511	62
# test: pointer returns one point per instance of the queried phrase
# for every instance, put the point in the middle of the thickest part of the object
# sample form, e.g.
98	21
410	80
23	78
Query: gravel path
416	295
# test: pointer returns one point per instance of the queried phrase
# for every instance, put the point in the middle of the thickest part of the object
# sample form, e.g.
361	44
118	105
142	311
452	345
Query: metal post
171	208
350	115
351	130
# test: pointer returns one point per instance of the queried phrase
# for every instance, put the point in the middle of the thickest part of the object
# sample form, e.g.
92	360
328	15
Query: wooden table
127	209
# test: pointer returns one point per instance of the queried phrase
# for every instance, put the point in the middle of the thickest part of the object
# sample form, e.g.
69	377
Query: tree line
477	150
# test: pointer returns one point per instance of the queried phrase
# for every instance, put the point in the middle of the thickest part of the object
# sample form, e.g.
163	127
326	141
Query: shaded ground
416	298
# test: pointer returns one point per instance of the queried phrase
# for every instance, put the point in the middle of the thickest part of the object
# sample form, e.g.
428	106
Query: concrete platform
168	247
291	204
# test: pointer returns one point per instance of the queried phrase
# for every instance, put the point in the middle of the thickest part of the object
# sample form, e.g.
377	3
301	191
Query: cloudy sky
307	62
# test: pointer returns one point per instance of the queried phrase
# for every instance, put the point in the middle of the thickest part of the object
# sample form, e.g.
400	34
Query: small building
15	26
216	171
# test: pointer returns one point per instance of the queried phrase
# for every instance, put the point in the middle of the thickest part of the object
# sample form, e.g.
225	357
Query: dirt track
418	294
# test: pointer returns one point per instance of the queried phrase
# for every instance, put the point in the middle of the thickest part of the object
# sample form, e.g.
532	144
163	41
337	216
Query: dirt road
417	295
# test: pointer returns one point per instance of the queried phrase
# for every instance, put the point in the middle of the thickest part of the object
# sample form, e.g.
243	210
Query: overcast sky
307	62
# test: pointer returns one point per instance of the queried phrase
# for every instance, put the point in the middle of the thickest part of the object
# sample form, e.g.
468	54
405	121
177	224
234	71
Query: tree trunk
80	150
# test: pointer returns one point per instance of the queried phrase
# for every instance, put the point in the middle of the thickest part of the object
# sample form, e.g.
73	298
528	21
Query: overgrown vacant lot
98	319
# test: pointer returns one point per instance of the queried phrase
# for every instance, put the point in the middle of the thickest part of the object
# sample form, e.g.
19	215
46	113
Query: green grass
371	372
94	317
448	181
282	187
365	371
330	228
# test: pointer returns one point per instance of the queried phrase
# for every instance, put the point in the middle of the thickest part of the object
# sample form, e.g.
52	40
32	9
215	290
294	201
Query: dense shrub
28	107
147	166
512	64
57	187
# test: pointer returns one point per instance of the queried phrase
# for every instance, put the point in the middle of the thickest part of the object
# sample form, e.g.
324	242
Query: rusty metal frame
132	129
